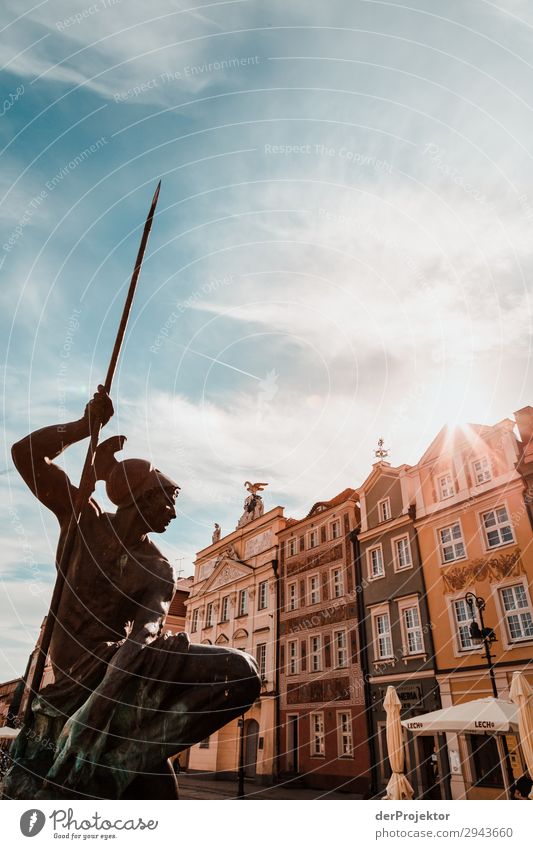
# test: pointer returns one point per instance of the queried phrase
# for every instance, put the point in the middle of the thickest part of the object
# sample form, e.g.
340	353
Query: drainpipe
277	696
363	659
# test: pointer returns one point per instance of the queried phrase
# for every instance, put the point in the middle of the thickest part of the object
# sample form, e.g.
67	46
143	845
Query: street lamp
486	635
240	786
482	635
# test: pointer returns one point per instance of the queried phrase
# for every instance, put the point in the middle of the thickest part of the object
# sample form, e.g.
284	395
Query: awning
481	716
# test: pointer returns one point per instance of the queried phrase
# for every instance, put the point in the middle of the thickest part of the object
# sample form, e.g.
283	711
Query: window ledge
419	656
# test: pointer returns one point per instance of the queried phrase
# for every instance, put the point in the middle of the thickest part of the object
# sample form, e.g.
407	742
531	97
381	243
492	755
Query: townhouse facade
322	735
233	602
397	632
475	534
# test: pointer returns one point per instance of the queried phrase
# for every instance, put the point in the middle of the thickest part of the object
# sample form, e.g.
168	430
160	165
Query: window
340	643
315	654
261	659
317	735
313	538
243	603
446	489
224	616
194	620
375	556
204	744
517	613
314	589
382	636
262	597
335	529
292	547
293	596
292	657
482	470
209	615
337	583
452	546
345	743
462	617
402	553
414	640
384	510
498	530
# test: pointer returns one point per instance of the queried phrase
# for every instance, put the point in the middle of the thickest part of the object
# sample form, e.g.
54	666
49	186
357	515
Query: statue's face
157	509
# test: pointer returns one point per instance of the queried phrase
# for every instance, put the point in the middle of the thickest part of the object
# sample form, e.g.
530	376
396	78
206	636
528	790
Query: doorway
251	737
292	742
428	766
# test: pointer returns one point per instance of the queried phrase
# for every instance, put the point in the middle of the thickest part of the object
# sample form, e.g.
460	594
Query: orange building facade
475	536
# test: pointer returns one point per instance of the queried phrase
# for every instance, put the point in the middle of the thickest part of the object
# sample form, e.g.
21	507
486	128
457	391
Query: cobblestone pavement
198	787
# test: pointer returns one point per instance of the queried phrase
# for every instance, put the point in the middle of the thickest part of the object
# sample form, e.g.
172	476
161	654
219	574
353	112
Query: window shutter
282	656
302	543
303	656
353	643
327	652
323	533
325	586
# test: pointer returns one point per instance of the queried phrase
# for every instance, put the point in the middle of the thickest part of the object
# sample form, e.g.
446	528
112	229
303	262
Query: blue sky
342	249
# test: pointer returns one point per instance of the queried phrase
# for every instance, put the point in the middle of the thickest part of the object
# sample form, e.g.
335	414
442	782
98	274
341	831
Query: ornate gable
227	571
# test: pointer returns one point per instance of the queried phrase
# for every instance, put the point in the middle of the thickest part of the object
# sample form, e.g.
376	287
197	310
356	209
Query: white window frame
337	585
384	509
317	737
344	718
243	602
224	609
405	604
262	595
195	616
457	624
292	546
312	592
395	558
316	660
486	469
369	551
261	657
504	613
497	527
292	600
332	533
292	657
340	650
381	610
314	534
454	542
445	492
209	615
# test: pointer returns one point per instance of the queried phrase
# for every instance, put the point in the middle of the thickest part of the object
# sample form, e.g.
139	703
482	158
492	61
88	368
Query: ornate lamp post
240	786
481	633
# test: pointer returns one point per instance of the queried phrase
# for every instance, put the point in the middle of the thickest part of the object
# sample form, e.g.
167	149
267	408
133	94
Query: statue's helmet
126	481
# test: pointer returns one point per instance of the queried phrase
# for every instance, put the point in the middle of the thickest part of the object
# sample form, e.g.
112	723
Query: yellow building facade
233	602
475	536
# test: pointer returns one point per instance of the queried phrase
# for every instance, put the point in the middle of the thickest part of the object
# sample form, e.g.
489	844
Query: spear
87	480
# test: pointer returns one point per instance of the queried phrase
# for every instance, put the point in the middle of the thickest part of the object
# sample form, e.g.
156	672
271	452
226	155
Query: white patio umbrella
522	695
398	786
480	716
8	733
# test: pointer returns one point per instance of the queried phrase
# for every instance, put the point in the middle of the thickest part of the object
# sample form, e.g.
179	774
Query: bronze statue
125	697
